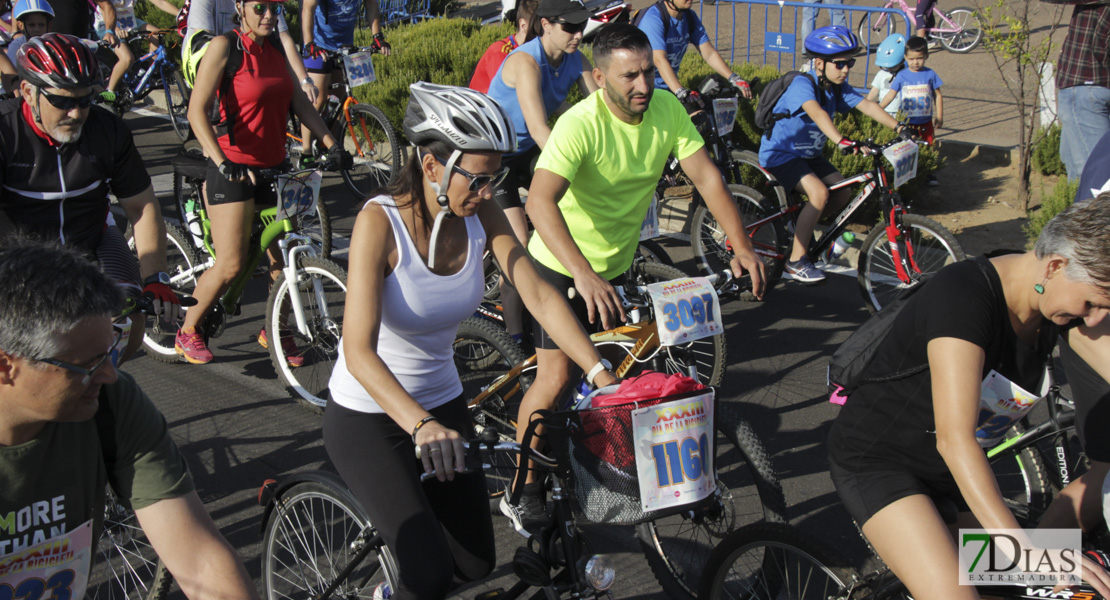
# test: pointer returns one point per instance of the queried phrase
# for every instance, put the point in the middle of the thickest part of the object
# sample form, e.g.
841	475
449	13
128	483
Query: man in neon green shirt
590	193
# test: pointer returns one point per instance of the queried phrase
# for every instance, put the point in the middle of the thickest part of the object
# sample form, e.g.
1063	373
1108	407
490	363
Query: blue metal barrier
778	38
396	11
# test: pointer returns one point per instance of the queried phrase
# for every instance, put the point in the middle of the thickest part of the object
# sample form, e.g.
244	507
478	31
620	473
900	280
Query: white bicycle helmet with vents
467	120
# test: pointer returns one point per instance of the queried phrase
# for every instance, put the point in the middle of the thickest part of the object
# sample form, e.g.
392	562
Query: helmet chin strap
444	205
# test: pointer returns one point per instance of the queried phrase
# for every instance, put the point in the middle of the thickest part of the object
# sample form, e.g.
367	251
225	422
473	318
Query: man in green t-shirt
591	191
70	425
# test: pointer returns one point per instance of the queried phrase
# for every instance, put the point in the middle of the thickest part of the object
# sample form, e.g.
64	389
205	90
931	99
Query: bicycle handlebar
634	295
489	439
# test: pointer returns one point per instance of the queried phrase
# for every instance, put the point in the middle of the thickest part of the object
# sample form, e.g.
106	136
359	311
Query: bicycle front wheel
317	226
773	561
1023	480
484	352
677	547
370	139
968	34
769	239
177	102
313	533
706	355
874	28
305	359
184	267
922	242
126	566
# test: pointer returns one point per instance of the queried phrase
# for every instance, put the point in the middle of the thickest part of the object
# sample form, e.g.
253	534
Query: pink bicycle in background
958	30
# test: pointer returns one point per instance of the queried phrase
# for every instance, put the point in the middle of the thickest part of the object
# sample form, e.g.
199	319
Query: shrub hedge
1046	156
1062	196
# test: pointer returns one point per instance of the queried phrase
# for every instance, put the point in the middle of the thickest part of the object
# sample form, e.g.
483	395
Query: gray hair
1081	234
45	291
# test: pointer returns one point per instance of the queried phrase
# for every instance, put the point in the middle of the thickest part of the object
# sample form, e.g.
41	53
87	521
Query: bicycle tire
181	258
492	274
970	34
677	547
933	247
1023	480
126	565
177	106
311	534
318	228
483	351
653	251
774	561
710	243
872	30
323	313
707	354
374	148
753	175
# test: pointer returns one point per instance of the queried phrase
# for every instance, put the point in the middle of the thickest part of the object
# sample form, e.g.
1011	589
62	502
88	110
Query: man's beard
67	136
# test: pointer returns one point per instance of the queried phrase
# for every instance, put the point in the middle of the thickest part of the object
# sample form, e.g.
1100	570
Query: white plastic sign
903	157
297	195
650	227
724	111
1001	403
360	70
674	451
53	568
685	310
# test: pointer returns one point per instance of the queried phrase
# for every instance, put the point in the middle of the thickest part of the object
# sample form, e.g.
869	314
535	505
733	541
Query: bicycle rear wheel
484	352
322	288
373	145
930	244
769	239
126	566
677	547
774	561
707	355
969	34
753	175
184	267
177	100
315	530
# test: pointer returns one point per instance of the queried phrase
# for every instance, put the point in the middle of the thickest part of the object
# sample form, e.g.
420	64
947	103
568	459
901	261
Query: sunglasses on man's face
844	64
68	102
479	182
260	8
572	28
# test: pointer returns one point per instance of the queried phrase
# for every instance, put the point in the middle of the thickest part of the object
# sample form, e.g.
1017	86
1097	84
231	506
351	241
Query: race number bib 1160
903	157
297	195
56	569
360	70
685	310
674	451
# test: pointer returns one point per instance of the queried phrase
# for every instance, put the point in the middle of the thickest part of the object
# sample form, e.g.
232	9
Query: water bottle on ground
839	247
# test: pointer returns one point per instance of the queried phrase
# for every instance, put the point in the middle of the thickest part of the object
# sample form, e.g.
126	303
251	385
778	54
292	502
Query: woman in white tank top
415	273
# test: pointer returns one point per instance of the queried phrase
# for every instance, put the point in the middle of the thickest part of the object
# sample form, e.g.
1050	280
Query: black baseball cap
571	11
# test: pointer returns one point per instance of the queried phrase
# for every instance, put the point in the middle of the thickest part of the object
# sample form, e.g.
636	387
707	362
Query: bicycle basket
596	447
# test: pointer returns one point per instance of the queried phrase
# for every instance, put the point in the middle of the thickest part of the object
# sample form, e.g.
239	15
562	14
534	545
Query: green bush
1046	156
1062	196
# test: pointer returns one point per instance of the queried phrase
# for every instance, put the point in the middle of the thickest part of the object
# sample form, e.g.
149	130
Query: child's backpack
664	16
765	118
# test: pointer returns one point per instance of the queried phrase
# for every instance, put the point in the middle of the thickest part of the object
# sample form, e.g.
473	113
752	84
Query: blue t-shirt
797	136
338	27
1096	172
555	84
678	39
917	90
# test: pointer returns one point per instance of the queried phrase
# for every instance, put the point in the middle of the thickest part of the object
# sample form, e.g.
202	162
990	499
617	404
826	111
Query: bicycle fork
291	256
893	235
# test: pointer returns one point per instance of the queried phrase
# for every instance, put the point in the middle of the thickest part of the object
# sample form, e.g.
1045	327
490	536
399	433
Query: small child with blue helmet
890	59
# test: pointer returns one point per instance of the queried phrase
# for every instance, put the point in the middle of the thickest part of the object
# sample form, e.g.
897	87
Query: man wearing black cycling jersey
59	160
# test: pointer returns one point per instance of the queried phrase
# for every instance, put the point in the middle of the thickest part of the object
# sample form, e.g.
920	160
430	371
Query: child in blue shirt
920	89
793	149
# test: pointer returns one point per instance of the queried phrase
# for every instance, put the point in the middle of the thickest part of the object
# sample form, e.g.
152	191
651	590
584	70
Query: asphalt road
238	426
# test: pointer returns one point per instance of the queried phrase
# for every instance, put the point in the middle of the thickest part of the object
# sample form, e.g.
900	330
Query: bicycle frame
158	60
348	100
952	27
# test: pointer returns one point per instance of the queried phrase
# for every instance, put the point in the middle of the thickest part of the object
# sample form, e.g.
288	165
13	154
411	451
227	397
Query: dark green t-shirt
55	482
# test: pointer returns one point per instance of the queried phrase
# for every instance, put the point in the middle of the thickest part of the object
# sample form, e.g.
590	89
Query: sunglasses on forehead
68	102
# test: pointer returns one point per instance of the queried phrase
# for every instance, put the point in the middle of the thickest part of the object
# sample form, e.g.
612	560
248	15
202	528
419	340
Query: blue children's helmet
831	40
892	52
29	7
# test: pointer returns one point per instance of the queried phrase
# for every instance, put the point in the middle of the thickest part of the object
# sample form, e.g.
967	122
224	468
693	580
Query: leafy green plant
1046	155
1062	196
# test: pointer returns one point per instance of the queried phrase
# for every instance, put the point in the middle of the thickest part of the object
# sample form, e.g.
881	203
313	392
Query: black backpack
765	118
851	359
665	17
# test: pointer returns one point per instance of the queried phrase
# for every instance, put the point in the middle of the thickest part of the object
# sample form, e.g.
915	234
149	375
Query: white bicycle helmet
29	7
469	121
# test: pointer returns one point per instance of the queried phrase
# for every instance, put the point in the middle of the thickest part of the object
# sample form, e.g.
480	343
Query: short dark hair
917	44
526	8
619	36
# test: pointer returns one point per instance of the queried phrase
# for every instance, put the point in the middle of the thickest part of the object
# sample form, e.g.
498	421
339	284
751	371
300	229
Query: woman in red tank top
254	102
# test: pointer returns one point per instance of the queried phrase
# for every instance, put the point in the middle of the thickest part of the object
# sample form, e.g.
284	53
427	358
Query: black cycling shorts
1091	394
563	283
521	168
865	491
791	172
222	191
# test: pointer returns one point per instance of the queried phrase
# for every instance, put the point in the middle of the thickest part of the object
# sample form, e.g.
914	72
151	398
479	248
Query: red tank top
258	100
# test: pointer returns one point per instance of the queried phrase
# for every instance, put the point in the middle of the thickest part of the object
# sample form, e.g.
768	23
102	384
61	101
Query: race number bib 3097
55	569
685	310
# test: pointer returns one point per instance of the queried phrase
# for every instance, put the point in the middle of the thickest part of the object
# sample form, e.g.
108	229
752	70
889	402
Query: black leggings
438	532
